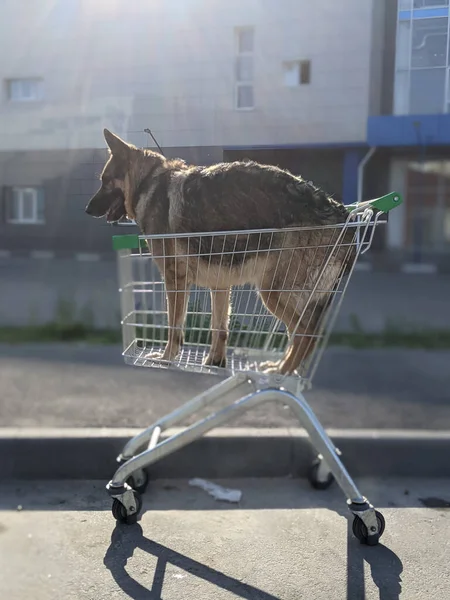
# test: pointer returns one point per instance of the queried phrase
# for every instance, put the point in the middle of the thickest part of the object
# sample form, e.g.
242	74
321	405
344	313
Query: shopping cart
256	341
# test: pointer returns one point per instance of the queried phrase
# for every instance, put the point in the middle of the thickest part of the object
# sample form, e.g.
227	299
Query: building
325	89
415	138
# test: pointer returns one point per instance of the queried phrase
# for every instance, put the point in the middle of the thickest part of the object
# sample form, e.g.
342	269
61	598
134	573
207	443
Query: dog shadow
385	568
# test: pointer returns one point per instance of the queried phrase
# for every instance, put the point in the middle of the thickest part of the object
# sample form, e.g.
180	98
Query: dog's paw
270	367
215	361
160	356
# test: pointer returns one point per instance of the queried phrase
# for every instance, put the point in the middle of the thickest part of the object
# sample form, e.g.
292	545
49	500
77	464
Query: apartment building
338	92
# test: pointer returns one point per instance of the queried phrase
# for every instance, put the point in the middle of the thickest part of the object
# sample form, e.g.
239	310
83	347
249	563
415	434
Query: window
401	93
428	208
245	41
24	90
403	45
427	89
297	72
429	3
244	69
429	42
422	63
25	206
244	96
446	225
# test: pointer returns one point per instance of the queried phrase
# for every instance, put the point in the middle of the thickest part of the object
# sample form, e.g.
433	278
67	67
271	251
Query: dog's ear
117	146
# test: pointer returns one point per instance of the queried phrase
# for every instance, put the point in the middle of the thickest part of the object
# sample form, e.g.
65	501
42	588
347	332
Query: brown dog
168	196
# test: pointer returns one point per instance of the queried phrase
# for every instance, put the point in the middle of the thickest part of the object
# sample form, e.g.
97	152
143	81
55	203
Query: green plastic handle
383	204
127	242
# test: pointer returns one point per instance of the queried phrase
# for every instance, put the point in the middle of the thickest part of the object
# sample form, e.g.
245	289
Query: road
74	385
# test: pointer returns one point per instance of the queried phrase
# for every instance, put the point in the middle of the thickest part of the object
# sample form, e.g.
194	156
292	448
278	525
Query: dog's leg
275	303
220	309
301	329
177	298
308	309
177	282
304	339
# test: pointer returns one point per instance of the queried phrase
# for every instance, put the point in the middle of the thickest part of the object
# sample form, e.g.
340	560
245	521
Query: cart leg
368	524
319	475
218	391
139	480
185	437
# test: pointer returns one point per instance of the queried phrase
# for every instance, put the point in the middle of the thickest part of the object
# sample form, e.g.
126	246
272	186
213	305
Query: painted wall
128	64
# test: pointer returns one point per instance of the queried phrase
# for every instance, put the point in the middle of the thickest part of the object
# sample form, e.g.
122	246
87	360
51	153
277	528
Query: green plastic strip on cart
383	204
127	242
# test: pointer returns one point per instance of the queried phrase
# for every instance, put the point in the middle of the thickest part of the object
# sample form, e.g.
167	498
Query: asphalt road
284	541
71	386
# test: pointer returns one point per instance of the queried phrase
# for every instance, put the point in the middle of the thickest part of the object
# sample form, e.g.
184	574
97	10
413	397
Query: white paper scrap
217	491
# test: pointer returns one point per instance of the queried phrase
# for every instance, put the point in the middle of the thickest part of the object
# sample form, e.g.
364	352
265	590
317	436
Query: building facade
309	86
416	136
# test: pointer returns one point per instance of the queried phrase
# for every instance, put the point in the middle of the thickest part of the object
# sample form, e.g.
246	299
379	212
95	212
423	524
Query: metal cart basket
268	344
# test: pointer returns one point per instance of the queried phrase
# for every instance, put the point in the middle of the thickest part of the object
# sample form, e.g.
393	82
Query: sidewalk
283	542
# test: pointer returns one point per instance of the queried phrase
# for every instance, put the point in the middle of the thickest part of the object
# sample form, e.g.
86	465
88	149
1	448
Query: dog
170	196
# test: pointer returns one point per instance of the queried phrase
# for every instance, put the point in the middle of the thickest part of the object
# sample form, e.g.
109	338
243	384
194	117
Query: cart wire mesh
262	301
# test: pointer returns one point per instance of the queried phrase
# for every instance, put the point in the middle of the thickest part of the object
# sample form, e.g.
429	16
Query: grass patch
434	339
59	332
71	325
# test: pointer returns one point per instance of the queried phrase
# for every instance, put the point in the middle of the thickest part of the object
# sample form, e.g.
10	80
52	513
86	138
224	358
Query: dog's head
109	201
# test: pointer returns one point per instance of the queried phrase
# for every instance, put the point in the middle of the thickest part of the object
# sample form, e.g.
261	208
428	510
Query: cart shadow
385	569
125	540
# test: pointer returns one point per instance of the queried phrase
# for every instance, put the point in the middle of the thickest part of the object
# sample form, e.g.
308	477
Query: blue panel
409	130
423	13
350	176
330	146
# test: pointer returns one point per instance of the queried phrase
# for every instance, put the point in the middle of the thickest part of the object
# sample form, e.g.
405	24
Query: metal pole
417	218
360	181
361	168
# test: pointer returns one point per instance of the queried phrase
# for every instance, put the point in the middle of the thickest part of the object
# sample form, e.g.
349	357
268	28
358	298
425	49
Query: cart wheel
120	514
360	530
139	483
313	477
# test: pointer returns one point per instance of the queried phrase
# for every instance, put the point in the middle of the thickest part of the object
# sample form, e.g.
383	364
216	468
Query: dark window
305	71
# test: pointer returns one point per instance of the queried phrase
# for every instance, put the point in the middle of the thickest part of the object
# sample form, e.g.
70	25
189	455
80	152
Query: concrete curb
91	453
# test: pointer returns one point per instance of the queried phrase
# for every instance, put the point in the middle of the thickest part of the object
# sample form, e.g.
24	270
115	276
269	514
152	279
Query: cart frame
242	390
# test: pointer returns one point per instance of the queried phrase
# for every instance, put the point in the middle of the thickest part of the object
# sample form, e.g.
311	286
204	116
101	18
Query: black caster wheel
120	514
140	485
361	533
313	477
